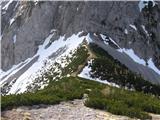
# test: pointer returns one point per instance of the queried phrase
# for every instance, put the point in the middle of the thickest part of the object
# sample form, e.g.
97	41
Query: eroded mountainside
130	25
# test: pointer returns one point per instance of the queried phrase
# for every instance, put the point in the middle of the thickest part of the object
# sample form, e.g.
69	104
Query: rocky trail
72	110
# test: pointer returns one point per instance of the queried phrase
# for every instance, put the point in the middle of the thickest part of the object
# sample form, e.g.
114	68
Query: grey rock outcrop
33	23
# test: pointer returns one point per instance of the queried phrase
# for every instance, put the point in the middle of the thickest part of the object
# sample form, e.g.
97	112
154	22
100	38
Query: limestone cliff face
26	24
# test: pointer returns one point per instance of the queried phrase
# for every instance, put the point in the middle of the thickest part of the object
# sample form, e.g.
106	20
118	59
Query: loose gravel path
73	110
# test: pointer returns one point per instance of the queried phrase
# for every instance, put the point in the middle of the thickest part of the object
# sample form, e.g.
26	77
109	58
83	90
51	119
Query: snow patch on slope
145	30
86	73
133	26
11	21
152	65
14	38
7	5
134	57
88	38
126	31
143	3
27	77
131	54
11	71
44	53
106	40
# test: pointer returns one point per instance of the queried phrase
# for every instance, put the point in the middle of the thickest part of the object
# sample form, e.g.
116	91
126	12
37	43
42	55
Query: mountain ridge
90	17
106	52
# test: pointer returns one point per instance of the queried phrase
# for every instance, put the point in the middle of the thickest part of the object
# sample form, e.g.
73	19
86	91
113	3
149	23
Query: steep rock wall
33	21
